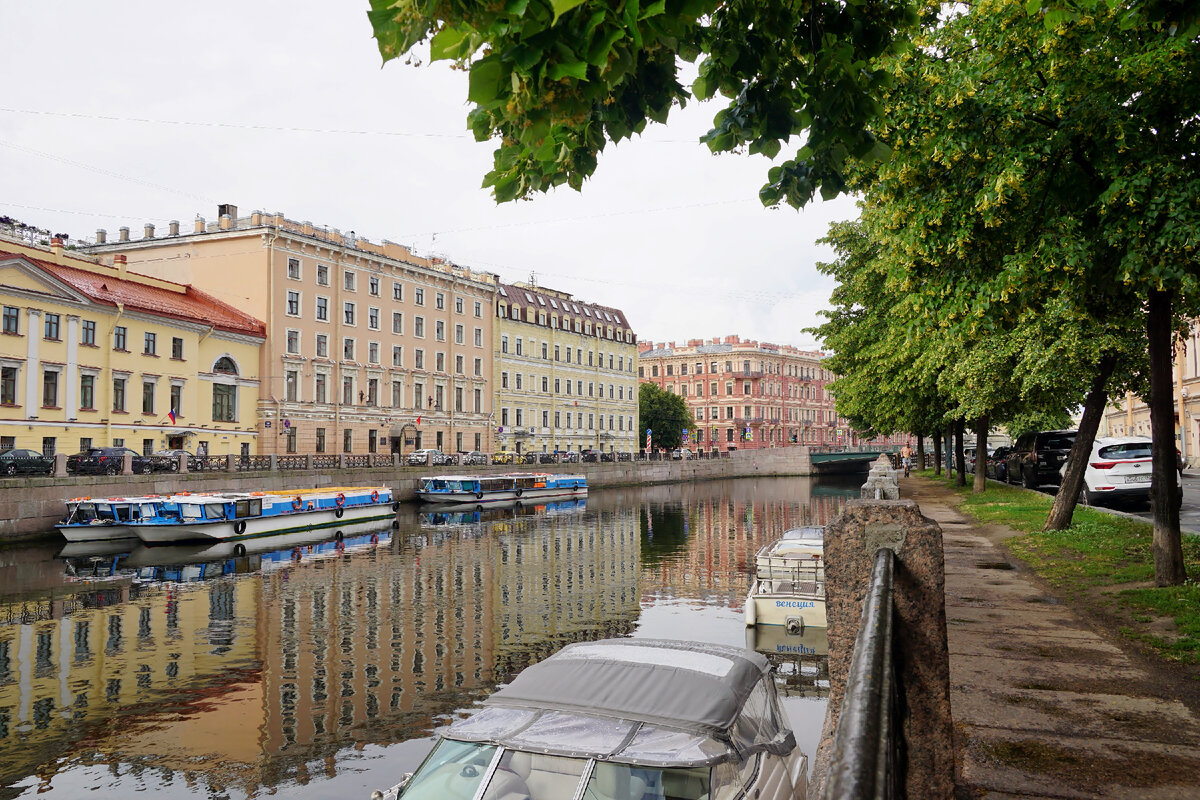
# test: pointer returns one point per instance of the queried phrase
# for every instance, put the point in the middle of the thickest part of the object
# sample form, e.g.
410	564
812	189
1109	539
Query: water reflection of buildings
249	679
699	539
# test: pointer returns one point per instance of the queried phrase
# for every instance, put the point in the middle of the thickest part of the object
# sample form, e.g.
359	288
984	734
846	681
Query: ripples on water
320	669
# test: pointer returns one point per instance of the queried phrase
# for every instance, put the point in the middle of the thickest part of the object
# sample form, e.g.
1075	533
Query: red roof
189	305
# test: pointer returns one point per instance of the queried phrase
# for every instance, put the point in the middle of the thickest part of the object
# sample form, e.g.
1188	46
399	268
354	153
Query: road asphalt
1046	702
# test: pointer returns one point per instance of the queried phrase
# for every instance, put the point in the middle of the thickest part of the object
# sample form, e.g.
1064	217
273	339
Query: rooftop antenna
532	278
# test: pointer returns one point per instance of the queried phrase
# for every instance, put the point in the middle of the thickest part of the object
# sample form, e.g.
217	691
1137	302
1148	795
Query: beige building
93	354
369	347
1131	416
564	374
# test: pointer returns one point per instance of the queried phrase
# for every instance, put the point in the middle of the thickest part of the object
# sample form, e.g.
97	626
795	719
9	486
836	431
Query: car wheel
10	469
112	470
146	469
174	465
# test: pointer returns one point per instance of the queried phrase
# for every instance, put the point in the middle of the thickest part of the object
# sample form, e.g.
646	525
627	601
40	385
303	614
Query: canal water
313	668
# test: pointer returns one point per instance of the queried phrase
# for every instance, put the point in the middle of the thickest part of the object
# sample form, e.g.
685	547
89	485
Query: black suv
1037	457
107	461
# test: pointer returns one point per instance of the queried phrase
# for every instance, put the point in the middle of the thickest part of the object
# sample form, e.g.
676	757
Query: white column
71	390
33	367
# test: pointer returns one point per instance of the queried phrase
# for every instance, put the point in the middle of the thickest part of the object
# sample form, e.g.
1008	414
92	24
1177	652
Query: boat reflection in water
455	514
801	660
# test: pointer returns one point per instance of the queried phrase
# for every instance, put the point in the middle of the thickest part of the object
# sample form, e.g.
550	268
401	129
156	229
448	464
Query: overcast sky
164	110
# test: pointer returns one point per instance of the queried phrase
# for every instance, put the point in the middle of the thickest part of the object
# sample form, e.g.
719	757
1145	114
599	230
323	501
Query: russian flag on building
171	416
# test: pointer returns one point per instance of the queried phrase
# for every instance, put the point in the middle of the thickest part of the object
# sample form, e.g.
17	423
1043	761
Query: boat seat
615	784
544	779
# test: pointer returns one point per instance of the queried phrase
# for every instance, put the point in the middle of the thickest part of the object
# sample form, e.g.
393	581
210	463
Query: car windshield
1059	441
1115	452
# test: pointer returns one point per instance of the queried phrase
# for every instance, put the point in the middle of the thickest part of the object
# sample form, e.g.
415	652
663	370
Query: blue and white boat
102	519
523	487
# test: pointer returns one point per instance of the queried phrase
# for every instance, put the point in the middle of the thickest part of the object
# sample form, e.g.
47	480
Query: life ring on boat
339	536
239	527
518	492
375	496
396	506
340	499
239	549
297	503
337	512
479	495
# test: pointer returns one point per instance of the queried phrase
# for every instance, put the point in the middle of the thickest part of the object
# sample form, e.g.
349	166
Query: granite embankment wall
29	507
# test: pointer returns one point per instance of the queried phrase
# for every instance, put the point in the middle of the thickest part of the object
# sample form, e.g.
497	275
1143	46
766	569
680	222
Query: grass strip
1103	561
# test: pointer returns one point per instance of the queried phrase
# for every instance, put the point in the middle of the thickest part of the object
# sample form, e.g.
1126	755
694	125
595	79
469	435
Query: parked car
1037	457
996	468
682	454
429	455
503	457
25	462
569	457
107	461
168	460
474	457
589	455
1119	468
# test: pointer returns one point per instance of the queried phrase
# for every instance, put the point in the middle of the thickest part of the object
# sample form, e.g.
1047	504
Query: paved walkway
1044	705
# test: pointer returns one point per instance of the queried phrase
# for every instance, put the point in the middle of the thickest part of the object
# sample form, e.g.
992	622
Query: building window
373	318
320	440
459	334
293	269
290	382
119	338
119	394
504	343
322	309
373	352
348	280
397	291
87	392
419	359
440	301
418	394
49	445
147	397
289	441
504	416
545	351
439	360
348	440
319	388
12	319
439	330
503	380
87	333
479	366
52	326
151	344
372	440
322	275
397	394
293	342
322	346
8	386
419	327
348	313
372	392
177	399
458	305
458	364
397	322
348	349
176	348
479	337
397	356
419	296
50	389
374	286
347	391
293	304
478	407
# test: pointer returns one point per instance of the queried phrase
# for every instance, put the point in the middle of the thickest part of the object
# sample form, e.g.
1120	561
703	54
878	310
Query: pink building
747	395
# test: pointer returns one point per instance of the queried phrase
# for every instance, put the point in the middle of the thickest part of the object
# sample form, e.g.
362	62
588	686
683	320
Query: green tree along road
1031	201
665	415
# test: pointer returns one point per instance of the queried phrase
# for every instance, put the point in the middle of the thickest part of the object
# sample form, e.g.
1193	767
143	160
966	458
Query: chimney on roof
226	222
101	236
119	263
227	208
200	225
123	235
148	231
56	246
173	228
256	218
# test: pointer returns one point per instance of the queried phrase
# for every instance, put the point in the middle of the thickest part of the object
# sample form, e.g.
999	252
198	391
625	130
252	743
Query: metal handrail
865	756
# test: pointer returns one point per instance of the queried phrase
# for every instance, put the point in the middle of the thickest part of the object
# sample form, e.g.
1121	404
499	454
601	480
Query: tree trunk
937	454
1164	490
981	434
1063	509
920	451
960	459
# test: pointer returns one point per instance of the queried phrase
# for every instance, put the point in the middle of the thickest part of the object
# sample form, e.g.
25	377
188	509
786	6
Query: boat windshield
85	512
214	511
453	771
148	511
189	510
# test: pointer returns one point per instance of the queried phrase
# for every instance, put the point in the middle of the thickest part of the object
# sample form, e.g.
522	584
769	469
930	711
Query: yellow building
370	349
565	373
1131	416
93	355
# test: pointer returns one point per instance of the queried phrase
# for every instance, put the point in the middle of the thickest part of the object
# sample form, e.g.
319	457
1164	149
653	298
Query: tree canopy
665	415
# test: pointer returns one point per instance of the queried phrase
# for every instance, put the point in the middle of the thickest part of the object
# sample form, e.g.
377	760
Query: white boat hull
222	530
792	610
505	496
96	533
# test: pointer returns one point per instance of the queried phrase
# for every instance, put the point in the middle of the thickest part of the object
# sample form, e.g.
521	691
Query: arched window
225	366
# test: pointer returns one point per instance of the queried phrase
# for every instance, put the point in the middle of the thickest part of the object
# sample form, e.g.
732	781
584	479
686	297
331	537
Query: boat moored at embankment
788	587
522	487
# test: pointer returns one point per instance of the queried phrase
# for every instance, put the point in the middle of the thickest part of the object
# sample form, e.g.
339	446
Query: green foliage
663	413
552	81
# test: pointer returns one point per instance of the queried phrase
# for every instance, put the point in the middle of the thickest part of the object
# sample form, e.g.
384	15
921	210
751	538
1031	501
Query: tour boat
788	587
523	487
97	519
245	515
458	514
621	718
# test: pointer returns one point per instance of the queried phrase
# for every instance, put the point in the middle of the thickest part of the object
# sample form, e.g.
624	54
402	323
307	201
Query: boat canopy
638	701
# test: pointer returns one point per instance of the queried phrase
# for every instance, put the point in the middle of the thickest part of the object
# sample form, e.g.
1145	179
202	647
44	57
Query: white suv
435	457
1119	467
